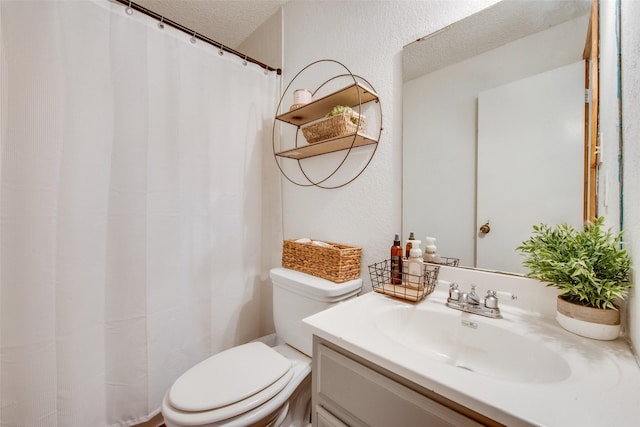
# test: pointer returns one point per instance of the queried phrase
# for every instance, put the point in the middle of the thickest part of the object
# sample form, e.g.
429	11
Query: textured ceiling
229	22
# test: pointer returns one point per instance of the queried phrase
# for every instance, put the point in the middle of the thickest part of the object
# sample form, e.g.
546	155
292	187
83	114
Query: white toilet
254	384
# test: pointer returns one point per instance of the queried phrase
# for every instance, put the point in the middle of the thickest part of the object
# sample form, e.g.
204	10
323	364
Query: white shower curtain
131	196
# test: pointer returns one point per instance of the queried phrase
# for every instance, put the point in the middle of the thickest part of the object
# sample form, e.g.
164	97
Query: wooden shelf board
320	107
328	146
403	292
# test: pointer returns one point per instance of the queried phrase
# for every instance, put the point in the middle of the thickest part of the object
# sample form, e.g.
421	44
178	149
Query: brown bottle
409	244
396	261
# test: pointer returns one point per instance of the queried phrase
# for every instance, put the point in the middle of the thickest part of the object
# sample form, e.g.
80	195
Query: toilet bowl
254	384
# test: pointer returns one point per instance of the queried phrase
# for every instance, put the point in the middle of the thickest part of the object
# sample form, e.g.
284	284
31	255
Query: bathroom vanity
350	391
382	361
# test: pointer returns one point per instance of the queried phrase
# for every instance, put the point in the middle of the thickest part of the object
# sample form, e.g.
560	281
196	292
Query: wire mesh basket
410	287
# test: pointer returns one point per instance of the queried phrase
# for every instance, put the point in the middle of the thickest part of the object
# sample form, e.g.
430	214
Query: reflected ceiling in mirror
499	24
445	74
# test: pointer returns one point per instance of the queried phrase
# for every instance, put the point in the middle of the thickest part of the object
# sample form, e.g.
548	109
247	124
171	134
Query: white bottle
415	267
430	251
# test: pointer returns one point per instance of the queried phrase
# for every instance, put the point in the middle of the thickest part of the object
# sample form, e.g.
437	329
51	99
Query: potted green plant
591	270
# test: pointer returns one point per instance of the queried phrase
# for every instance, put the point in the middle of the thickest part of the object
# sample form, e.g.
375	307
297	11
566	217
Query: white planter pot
588	322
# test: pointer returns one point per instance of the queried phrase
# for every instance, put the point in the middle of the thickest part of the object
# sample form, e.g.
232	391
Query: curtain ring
245	61
128	9
193	38
221	51
161	23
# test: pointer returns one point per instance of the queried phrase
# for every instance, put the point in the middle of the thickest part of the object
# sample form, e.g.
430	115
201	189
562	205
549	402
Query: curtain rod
195	34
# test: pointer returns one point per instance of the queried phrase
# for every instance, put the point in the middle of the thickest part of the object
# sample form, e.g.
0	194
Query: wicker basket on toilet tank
336	262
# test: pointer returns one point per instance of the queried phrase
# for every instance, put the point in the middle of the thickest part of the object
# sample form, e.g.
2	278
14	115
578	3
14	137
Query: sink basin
472	343
513	370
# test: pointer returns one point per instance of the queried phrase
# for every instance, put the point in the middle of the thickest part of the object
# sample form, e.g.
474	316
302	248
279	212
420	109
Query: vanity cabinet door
327	419
354	394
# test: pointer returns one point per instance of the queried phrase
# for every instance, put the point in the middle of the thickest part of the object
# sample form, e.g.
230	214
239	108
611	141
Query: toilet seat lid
228	377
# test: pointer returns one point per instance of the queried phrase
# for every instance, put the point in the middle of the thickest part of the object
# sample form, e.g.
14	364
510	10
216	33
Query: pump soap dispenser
415	267
431	252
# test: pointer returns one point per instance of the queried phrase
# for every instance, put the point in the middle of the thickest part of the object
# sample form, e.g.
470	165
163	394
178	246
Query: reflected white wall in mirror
440	116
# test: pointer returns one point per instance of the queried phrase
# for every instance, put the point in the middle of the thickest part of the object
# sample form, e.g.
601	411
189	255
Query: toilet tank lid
311	285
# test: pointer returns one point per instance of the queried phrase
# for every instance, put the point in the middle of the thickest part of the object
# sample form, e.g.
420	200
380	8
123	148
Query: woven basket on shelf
338	263
334	126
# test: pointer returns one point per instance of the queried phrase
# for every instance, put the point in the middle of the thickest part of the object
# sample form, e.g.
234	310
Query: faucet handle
491	299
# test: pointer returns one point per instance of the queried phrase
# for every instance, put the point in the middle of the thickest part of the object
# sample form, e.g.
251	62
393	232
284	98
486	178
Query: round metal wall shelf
355	94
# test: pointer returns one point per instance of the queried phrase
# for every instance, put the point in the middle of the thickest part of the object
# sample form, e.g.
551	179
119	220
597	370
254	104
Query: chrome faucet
474	299
470	302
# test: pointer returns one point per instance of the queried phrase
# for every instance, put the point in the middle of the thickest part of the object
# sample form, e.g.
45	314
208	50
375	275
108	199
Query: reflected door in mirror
530	160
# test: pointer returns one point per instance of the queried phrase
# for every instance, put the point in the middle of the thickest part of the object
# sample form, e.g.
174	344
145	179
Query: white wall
265	43
440	132
609	198
368	38
631	133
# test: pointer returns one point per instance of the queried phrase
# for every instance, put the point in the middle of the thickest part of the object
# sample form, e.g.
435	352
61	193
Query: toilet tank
297	295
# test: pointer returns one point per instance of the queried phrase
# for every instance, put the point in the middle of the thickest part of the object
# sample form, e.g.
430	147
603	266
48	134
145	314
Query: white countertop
603	388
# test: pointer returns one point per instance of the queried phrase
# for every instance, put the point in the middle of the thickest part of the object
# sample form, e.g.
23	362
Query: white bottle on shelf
415	267
430	251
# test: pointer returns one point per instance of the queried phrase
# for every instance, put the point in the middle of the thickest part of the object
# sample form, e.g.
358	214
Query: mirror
479	97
